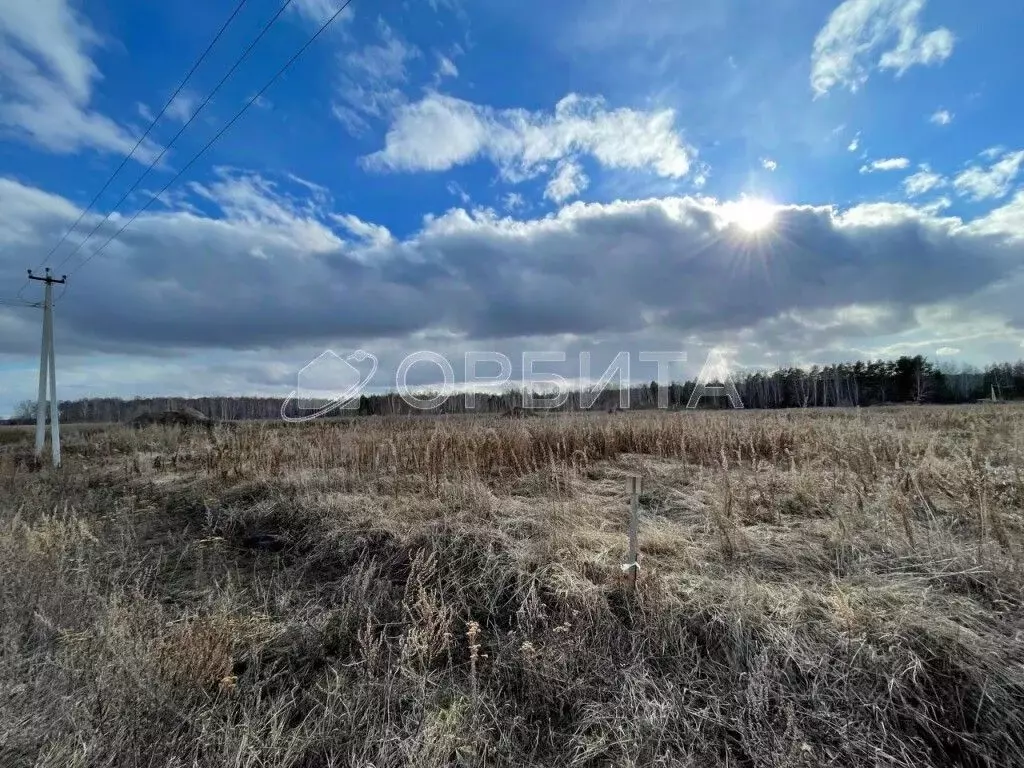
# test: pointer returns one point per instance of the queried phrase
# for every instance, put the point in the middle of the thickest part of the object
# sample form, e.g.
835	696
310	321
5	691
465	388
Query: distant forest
905	380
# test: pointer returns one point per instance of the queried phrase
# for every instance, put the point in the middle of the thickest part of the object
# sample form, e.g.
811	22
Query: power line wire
18	303
219	133
207	100
142	138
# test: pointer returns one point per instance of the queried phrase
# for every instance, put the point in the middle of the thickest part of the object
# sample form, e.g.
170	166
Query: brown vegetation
817	588
172	417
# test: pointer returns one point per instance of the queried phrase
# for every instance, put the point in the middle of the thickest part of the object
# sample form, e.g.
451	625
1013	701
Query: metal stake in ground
631	567
47	365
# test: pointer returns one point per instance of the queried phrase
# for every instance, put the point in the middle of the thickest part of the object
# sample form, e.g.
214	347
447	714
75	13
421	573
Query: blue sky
472	173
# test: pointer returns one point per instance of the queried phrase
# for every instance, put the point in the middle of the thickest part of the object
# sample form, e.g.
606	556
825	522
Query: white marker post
631	567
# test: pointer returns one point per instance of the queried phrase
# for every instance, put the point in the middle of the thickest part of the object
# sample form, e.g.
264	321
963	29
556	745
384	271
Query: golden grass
834	587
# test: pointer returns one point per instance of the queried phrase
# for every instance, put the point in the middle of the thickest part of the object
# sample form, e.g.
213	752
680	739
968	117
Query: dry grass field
816	588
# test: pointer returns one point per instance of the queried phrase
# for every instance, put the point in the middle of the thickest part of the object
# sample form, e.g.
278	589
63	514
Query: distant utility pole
47	364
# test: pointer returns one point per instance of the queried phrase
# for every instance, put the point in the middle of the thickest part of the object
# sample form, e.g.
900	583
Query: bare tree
25	410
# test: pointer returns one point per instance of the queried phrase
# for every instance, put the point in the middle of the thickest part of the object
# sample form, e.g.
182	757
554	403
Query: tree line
904	380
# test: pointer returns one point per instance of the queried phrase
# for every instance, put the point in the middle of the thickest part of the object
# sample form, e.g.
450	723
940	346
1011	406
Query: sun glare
750	214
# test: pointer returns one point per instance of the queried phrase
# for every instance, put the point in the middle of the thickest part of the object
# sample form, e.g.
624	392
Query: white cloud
317	12
46	81
451	5
984	183
455	189
321	195
923	181
182	107
52	31
257	202
886	164
373	234
434	134
568	181
386	60
768	164
858	31
371	80
1008	219
854	143
914	48
446	67
937	206
513	201
947	351
941	117
440	132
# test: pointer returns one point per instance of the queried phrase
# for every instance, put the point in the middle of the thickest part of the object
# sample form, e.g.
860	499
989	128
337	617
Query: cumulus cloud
270	265
47	78
925	180
937	206
854	143
289	269
440	132
768	164
857	38
1008	218
367	232
887	164
992	181
941	117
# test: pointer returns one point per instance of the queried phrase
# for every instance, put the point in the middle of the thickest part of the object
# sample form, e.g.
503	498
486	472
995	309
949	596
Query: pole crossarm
47	278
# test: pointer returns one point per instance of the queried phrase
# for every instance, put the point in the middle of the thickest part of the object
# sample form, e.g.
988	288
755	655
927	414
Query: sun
750	214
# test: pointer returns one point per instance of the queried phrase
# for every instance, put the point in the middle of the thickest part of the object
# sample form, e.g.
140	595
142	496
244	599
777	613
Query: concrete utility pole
47	363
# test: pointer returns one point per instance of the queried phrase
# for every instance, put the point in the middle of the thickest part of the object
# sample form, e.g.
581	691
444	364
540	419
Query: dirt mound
182	417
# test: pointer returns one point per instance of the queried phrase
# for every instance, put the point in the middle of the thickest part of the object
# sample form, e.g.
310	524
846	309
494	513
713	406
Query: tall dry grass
816	588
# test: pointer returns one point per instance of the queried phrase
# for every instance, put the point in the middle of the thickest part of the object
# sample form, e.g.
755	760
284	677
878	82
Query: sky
793	182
